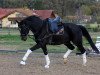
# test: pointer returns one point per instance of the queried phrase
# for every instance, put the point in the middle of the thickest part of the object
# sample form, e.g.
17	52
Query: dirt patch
9	65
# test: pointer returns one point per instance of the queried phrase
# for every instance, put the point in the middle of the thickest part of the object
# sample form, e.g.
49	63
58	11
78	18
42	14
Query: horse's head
24	30
32	23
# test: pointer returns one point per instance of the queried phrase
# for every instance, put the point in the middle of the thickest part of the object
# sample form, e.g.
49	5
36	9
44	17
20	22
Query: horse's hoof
65	60
46	66
22	63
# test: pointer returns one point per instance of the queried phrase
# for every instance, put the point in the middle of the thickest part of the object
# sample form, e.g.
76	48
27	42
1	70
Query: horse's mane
30	18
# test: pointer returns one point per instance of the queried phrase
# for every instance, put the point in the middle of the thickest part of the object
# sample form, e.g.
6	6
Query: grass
12	41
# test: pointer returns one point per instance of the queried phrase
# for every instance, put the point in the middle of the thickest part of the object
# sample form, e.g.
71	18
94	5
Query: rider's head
52	15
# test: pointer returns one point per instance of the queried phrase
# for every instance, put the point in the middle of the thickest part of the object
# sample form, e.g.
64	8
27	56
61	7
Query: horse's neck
40	30
41	33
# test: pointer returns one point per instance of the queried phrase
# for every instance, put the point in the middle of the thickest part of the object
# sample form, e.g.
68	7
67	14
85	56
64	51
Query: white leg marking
67	53
25	57
84	59
22	63
47	61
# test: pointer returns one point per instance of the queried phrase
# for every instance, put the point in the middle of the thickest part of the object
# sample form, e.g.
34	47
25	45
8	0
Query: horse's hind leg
28	52
44	48
83	52
77	40
71	47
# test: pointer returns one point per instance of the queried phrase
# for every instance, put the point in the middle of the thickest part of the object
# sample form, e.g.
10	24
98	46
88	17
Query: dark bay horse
72	35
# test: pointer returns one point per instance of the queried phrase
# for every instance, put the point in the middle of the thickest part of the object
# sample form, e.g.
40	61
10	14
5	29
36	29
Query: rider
54	20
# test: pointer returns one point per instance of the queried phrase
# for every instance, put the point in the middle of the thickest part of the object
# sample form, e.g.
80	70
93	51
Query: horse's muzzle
24	38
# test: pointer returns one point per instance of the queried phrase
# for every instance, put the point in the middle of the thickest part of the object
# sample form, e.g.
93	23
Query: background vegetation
62	7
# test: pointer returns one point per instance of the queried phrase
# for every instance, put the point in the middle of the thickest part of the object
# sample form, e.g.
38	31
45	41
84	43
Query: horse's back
73	31
72	27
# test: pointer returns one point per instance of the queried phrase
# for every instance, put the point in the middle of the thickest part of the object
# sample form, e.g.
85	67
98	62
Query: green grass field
10	40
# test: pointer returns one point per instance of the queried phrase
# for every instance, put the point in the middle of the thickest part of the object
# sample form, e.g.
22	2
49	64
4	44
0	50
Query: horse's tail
88	37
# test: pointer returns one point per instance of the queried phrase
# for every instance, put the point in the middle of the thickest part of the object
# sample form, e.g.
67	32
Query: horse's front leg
44	48
28	53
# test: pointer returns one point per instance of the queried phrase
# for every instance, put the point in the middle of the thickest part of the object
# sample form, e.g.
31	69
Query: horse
71	37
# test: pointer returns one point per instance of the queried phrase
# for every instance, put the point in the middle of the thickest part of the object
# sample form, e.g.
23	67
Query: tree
86	10
32	4
38	4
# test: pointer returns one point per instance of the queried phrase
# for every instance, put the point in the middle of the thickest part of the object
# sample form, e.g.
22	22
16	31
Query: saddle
60	29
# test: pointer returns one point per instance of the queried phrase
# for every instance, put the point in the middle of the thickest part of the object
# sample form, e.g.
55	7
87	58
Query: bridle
25	34
29	35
